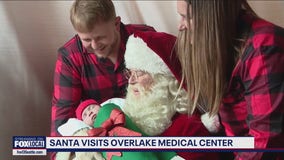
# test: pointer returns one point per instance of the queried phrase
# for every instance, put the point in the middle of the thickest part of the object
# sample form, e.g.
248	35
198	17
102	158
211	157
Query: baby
90	114
86	114
87	111
85	117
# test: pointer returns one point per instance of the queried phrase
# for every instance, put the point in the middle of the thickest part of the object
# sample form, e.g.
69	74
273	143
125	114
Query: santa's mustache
142	90
151	112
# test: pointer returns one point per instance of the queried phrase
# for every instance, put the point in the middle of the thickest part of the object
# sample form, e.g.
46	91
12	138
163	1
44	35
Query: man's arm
67	91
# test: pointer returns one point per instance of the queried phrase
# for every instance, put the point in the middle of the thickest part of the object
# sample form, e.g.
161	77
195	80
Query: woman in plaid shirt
233	64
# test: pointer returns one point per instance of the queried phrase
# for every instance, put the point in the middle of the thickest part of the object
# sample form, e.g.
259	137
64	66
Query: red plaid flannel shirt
254	103
80	75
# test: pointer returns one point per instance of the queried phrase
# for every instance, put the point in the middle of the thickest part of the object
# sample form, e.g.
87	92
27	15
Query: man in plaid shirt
91	64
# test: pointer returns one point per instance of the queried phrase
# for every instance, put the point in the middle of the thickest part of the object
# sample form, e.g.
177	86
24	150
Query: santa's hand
211	123
177	158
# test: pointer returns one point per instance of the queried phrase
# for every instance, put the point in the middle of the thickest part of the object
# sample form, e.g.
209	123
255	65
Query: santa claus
155	101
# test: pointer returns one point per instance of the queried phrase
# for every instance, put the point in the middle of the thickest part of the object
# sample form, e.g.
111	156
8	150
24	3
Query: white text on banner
142	143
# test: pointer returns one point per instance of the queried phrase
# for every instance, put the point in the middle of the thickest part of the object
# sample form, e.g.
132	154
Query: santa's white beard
151	111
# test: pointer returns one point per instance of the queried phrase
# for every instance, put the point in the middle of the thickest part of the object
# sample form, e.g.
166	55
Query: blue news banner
40	145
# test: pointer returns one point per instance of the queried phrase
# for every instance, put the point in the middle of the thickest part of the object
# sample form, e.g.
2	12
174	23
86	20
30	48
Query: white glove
71	126
177	158
117	101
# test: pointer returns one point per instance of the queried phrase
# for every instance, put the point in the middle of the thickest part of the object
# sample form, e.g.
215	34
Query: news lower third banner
40	145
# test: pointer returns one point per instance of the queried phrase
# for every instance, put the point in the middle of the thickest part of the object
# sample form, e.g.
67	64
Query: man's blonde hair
84	14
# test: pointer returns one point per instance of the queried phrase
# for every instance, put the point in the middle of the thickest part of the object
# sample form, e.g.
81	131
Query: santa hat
152	52
82	106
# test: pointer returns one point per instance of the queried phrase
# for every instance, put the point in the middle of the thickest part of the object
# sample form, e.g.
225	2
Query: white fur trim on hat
71	126
211	123
139	56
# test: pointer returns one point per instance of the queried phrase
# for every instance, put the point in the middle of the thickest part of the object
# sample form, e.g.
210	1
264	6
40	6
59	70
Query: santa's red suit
184	125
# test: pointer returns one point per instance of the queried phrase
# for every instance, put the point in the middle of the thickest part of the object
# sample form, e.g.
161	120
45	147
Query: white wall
31	32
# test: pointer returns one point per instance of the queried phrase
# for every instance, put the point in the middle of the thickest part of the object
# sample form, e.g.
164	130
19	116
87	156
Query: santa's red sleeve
185	125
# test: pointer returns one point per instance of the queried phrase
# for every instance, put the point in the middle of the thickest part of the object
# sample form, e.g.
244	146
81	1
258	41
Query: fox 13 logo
29	145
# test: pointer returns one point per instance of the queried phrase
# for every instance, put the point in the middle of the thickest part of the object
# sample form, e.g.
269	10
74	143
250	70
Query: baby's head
87	111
